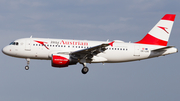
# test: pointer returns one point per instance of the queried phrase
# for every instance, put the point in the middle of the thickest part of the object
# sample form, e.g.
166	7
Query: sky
156	79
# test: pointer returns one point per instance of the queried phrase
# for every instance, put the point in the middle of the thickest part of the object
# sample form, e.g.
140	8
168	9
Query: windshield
14	43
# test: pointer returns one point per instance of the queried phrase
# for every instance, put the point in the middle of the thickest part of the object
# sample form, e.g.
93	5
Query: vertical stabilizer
159	34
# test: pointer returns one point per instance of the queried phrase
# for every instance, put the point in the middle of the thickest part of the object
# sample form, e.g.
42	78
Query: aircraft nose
5	50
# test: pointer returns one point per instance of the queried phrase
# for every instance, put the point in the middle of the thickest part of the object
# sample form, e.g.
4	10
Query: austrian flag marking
144	48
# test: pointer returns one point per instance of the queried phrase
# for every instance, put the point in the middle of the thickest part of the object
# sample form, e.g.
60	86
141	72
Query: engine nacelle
61	60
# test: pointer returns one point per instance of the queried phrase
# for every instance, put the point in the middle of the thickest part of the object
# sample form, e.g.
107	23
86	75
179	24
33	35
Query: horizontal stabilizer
164	48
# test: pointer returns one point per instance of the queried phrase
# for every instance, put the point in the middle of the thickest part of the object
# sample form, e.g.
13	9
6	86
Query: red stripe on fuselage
151	40
42	43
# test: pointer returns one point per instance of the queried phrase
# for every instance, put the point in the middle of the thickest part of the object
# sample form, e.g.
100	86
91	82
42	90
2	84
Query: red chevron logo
164	28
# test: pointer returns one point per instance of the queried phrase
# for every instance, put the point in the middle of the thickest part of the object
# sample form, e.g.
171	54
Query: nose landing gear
27	66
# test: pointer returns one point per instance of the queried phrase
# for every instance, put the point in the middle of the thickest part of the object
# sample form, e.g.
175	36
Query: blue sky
154	79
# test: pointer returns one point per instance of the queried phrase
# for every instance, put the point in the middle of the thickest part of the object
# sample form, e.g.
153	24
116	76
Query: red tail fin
159	34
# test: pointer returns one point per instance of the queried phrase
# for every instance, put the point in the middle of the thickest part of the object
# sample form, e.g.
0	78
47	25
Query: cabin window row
124	49
60	46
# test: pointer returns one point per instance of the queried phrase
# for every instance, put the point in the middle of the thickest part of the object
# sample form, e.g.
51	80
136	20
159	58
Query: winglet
111	43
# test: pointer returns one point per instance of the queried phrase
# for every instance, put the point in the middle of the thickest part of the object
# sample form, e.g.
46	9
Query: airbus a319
65	52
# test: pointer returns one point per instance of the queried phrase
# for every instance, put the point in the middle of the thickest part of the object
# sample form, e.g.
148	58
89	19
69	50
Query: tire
85	70
26	67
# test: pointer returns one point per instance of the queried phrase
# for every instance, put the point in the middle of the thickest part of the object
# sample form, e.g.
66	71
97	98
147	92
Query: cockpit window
14	43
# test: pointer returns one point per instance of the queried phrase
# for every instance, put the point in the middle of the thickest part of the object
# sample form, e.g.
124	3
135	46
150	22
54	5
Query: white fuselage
118	52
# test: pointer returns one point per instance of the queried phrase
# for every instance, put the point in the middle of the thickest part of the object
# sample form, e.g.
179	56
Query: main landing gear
85	69
27	66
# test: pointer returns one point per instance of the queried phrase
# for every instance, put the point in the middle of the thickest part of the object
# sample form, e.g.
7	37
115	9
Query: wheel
27	67
85	70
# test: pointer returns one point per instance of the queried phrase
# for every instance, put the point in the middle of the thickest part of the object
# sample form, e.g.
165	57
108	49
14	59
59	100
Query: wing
88	53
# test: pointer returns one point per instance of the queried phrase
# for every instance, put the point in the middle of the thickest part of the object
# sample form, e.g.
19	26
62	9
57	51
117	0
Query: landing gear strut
27	66
85	69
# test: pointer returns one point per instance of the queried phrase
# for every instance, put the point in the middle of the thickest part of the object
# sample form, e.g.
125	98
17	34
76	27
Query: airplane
65	52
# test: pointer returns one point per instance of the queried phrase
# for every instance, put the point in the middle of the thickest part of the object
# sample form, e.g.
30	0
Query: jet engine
61	60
